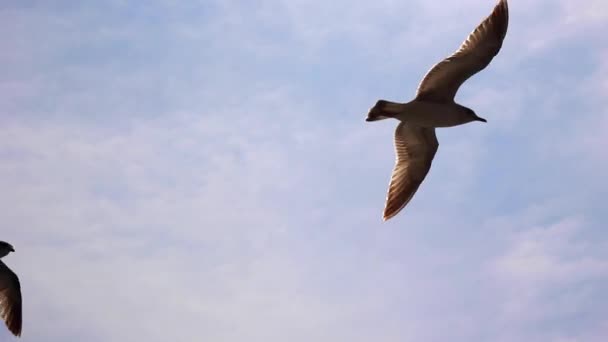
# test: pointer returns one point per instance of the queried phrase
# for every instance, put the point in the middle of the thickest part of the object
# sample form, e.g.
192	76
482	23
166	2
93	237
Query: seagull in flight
434	106
10	293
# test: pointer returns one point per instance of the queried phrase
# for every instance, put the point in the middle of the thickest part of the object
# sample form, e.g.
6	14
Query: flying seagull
10	293
434	106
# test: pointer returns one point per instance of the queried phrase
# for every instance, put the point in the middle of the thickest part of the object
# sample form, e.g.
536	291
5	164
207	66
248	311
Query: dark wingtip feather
500	19
13	320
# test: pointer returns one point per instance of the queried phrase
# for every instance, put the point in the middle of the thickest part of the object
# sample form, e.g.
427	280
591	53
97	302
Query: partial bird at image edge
10	293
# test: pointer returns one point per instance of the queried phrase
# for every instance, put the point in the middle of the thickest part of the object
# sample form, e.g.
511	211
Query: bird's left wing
443	80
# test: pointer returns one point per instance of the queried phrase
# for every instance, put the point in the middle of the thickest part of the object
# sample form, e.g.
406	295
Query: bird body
426	114
434	106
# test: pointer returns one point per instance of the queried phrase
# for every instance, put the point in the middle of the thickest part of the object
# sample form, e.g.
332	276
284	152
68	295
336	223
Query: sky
202	171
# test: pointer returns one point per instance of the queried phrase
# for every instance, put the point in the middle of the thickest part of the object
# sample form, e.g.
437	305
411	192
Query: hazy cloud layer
201	170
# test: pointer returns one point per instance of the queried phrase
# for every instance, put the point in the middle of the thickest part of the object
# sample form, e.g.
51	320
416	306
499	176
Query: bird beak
481	119
12	249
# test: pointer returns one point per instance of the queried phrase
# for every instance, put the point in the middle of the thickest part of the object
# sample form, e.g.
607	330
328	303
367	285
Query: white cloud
212	177
548	274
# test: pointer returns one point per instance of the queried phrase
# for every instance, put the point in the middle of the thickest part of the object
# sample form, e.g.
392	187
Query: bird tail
384	110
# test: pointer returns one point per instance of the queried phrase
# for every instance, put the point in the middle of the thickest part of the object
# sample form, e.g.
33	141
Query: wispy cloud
202	170
551	274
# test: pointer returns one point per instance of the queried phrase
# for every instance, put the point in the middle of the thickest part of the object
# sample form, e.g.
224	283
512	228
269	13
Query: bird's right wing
10	299
415	148
441	83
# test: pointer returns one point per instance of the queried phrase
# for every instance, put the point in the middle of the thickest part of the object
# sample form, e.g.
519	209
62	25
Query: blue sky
202	170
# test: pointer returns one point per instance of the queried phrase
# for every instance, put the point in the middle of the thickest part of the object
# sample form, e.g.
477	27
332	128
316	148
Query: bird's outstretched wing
415	148
443	80
10	299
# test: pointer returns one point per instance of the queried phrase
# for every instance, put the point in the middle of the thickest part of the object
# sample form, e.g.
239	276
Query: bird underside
421	113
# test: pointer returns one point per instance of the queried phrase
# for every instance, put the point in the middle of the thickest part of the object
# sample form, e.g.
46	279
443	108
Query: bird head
472	116
5	248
